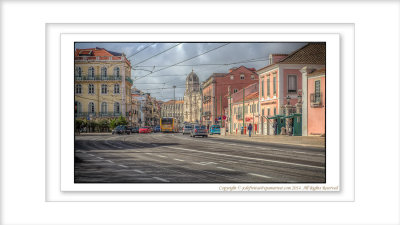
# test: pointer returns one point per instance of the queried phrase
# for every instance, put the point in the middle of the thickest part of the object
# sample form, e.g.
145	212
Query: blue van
215	129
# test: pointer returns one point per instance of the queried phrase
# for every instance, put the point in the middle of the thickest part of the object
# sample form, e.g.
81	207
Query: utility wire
140	50
157	54
183	61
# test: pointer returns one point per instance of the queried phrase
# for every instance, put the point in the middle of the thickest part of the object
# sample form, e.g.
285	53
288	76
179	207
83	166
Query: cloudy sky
159	66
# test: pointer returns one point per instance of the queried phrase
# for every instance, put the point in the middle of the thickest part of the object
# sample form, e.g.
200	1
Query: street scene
200	112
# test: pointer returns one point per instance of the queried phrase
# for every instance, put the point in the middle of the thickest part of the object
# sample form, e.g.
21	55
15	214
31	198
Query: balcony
102	78
206	99
97	115
99	58
316	100
208	113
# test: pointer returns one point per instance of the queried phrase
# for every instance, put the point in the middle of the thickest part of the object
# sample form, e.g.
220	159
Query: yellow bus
168	124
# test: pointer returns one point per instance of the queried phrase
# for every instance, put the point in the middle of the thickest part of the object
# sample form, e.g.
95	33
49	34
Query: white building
192	99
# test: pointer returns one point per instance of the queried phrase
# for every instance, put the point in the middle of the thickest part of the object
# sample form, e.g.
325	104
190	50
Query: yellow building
102	84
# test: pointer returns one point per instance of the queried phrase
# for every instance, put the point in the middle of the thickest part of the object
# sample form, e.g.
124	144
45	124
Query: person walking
250	128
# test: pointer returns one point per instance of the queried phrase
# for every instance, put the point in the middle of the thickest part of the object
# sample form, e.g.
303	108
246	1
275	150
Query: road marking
259	175
223	168
139	171
244	157
180	160
99	157
154	144
122	166
162	156
160	179
91	155
110	161
148	153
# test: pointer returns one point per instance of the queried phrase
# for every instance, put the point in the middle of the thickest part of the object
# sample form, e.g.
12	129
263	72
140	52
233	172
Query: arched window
79	72
104	88
116	71
91	72
91	89
104	108
104	73
116	108
116	88
78	89
91	108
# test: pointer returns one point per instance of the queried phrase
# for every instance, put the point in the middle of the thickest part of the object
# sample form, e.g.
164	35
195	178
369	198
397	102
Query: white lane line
148	153
180	160
139	171
160	179
223	168
99	157
162	156
90	154
122	166
244	157
109	161
259	175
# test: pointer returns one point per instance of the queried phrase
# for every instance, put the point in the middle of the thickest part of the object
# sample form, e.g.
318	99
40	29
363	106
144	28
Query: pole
230	111
201	110
220	108
243	112
174	100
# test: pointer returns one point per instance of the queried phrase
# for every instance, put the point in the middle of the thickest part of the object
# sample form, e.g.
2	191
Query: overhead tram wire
140	50
157	54
183	61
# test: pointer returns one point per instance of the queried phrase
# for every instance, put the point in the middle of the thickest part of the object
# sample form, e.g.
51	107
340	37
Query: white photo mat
30	167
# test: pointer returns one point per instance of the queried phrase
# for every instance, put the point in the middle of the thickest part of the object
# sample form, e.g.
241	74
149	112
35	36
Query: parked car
215	129
186	129
121	129
199	130
145	130
135	129
157	129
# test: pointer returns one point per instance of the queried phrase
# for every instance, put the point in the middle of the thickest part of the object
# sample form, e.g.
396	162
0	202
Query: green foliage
113	123
121	121
104	125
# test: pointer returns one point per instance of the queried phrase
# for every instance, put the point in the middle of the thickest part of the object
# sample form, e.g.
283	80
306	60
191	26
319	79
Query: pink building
282	80
314	105
249	106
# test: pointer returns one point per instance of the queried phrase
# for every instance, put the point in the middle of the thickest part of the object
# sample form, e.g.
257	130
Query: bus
168	124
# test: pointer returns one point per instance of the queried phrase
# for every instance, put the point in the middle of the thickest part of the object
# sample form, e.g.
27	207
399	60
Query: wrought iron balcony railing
316	99
102	78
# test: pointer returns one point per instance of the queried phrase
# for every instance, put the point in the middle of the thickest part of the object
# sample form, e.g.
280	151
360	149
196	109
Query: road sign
224	117
219	118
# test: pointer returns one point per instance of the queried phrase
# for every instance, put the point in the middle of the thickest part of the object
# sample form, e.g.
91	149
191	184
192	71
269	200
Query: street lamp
174	98
288	99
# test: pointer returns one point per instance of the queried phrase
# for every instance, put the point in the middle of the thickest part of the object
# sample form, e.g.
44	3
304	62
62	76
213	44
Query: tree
121	121
104	125
113	123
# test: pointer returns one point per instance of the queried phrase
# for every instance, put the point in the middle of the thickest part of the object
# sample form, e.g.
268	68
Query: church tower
192	99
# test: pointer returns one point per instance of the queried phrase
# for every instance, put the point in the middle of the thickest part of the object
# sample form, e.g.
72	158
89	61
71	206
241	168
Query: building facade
280	82
173	108
102	84
218	85
244	112
314	101
192	99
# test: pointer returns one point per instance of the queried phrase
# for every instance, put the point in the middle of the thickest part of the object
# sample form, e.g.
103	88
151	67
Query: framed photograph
193	113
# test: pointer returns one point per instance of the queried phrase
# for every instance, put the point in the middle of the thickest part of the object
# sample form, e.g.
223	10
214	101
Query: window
252	77
91	89
91	72
104	88
274	85
317	91
103	73
116	107
78	107
292	84
78	89
268	86
116	71
232	77
235	90
79	72
91	108
268	111
242	76
116	88
104	108
262	87
274	111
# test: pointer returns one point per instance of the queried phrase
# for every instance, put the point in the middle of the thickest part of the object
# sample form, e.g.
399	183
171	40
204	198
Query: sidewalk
312	141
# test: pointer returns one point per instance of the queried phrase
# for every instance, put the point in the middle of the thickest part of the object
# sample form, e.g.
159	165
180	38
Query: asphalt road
175	158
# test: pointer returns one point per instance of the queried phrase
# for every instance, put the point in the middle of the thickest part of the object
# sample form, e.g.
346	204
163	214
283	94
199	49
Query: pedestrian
250	128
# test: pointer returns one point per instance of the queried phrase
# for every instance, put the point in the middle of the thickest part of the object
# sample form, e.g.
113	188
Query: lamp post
174	100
